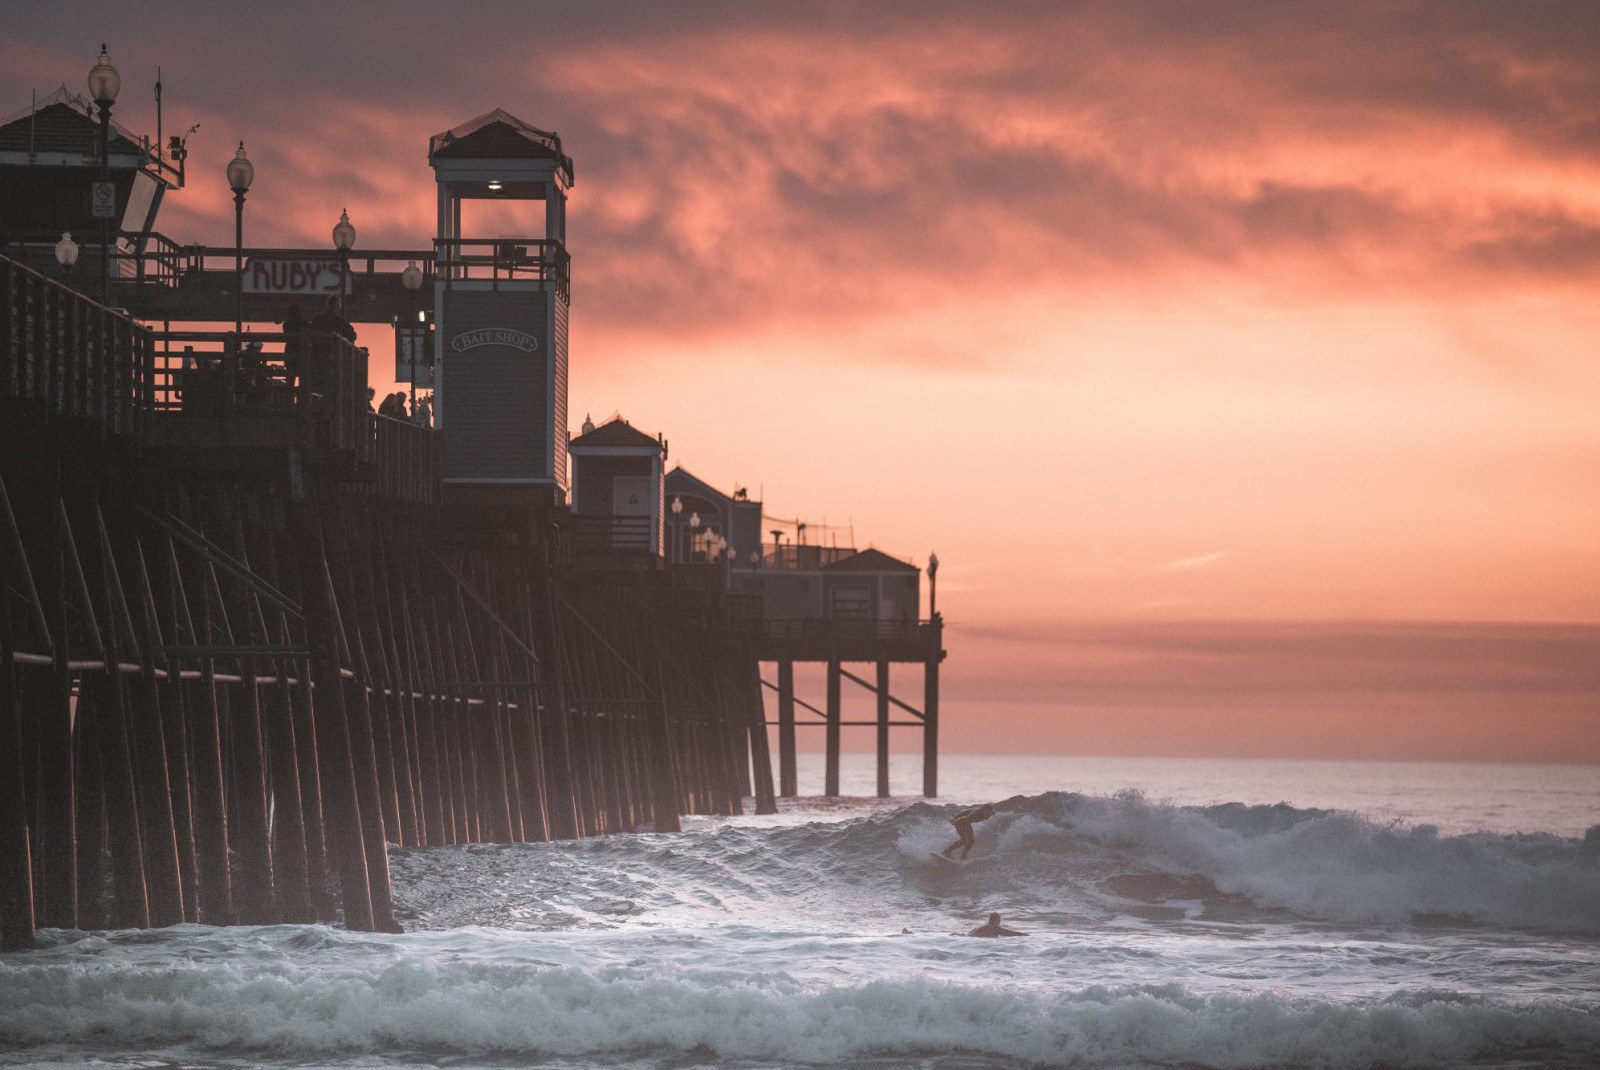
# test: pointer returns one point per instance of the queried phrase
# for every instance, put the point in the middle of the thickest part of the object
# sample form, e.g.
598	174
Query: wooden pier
242	651
252	634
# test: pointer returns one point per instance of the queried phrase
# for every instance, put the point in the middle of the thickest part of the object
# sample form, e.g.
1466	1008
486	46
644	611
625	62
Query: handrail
852	629
317	377
541	260
154	258
67	355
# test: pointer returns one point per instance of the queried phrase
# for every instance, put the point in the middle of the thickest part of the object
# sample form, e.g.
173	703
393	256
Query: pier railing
407	461
802	558
609	539
498	260
217	388
65	355
820	638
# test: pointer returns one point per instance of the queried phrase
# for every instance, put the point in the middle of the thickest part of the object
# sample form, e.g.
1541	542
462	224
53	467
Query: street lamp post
344	238
66	253
411	279
677	529
241	172
104	84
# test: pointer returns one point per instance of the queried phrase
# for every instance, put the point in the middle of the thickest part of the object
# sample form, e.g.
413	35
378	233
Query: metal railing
63	354
503	260
607	533
315	379
407	461
803	558
165	262
848	630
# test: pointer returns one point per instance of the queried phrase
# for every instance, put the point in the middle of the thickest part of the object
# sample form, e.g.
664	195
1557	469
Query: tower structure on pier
500	339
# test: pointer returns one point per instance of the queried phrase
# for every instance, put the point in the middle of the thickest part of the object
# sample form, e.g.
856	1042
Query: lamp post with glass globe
104	84
66	253
241	172
677	530
411	279
344	239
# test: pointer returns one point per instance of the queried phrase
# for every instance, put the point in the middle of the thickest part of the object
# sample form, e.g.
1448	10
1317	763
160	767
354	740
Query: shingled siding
498	416
559	378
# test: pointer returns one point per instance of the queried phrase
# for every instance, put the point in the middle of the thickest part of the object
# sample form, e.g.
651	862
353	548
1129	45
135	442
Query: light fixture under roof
494	185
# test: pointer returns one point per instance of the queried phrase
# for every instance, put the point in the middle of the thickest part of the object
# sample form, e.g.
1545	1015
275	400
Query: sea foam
417	1004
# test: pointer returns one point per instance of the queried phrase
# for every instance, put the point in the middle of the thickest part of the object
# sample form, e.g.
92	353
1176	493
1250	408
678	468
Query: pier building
252	633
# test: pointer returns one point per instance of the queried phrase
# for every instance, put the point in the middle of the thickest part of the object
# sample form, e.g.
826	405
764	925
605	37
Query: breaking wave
419	1005
1069	859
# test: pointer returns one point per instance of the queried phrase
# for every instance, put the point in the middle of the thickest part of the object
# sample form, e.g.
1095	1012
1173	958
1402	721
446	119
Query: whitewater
1186	914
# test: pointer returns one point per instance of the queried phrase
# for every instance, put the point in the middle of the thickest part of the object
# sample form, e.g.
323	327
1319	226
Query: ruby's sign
262	276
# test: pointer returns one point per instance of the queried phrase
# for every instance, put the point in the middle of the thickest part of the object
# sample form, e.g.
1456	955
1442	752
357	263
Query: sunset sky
1240	362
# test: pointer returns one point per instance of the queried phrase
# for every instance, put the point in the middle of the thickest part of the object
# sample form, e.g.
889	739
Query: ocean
1179	913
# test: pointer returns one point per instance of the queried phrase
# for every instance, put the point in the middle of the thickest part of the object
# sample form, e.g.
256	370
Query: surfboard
937	857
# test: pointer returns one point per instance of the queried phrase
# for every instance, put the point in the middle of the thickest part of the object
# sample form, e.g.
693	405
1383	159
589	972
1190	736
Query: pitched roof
499	135
616	432
680	474
61	127
870	560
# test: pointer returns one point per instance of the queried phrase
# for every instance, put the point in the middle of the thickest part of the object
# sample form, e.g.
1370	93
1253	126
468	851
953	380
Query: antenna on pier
159	142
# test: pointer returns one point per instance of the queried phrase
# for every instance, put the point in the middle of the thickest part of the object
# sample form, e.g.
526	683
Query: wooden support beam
664	775
56	827
147	736
883	729
795	699
308	763
171	699
561	819
210	795
178	530
398	698
788	785
22	575
893	700
431	818
756	714
126	839
930	730
89	805
341	808
16	863
359	728
831	741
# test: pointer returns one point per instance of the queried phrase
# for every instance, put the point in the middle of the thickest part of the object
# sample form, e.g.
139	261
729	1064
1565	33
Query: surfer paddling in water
994	928
963	822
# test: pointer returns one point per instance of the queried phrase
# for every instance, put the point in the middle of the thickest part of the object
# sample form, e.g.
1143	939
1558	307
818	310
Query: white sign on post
103	198
263	276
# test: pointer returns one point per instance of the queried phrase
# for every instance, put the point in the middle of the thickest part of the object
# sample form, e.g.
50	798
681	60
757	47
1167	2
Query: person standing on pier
332	319
294	345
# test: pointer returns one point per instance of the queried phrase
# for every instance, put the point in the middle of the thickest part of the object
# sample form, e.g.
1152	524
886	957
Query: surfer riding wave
963	822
